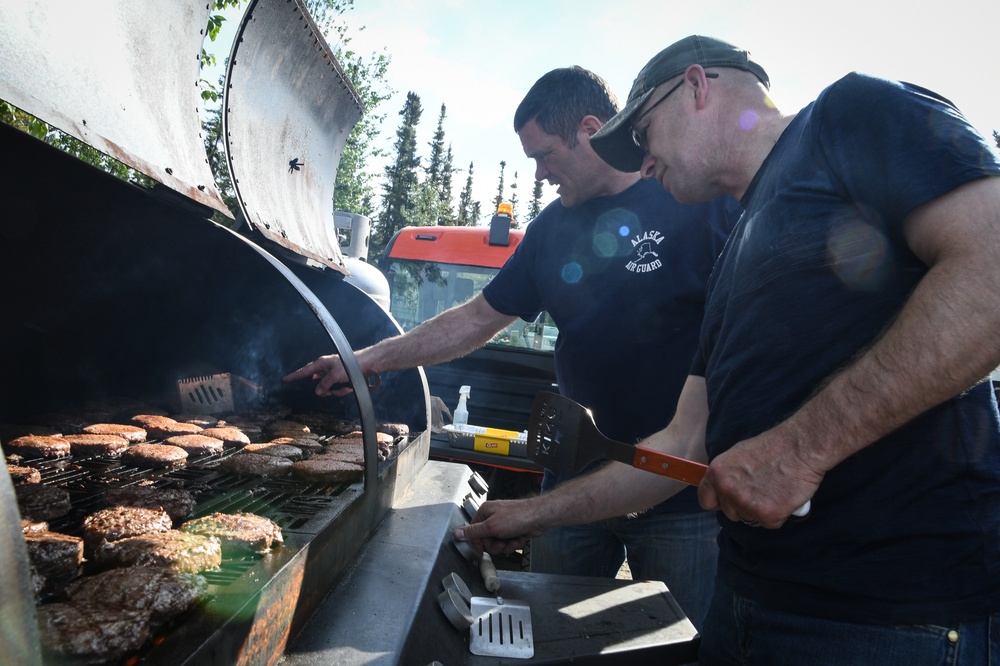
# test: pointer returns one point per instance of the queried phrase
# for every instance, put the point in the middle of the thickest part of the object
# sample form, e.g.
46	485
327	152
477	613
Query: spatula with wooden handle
563	437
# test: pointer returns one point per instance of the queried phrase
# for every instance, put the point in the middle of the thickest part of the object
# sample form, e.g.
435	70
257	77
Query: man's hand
329	370
500	527
758	482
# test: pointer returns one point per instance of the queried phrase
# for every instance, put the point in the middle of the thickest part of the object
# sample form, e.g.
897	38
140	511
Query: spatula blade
562	435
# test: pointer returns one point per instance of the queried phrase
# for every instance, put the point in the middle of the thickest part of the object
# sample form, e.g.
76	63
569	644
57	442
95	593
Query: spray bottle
462	411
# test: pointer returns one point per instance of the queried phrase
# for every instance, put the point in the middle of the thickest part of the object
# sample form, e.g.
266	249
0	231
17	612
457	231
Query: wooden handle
684	470
489	572
665	464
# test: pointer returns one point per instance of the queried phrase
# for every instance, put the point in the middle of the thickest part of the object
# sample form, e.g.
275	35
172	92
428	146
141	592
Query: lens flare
572	273
858	253
749	119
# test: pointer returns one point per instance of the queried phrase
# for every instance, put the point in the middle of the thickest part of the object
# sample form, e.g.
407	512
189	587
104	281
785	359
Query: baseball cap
613	142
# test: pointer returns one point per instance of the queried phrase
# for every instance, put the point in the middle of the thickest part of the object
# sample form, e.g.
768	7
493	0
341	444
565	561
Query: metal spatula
563	437
501	628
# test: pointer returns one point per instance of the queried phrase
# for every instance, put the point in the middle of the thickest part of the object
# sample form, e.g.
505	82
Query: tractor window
420	290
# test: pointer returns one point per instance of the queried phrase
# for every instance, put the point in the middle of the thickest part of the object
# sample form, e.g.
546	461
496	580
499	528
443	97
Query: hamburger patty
196	445
162	430
38	446
394	429
154	455
90	444
327	470
228	434
159	590
275	449
119	522
255	464
134	434
21	474
327	423
283	428
144	420
239	532
179	551
176	502
38	502
91	633
201	420
52	553
352	453
303	443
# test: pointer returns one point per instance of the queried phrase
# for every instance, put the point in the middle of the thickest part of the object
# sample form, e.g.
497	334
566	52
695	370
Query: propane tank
462	411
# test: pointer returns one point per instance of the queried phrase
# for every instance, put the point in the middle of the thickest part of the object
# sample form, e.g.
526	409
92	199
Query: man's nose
541	173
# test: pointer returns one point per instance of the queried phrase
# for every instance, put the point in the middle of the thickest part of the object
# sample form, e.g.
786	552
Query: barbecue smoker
114	294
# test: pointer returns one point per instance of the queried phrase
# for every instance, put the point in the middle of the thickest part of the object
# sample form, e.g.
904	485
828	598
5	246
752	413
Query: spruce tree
536	202
400	177
436	165
499	197
466	214
447	211
513	203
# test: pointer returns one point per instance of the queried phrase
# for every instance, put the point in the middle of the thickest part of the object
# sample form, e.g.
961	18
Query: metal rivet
953	636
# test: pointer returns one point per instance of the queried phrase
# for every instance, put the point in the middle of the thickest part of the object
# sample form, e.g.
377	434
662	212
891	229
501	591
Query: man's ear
695	79
590	125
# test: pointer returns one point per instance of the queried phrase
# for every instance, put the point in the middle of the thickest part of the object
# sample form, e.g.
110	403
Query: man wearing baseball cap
849	324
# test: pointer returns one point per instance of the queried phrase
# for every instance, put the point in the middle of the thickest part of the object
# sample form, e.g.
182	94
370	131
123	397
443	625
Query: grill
113	293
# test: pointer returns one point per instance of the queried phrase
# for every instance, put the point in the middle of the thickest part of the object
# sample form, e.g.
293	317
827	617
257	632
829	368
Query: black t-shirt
908	529
623	277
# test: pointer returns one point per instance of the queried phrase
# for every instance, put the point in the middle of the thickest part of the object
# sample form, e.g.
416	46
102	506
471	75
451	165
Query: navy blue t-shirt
908	529
624	278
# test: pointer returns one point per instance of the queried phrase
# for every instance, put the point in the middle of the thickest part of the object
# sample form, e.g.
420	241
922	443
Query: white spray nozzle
462	411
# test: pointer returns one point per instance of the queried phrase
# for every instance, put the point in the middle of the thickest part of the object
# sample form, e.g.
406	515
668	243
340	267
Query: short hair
561	98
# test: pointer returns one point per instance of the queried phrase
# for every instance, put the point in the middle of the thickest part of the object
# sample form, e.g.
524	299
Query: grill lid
289	110
119	76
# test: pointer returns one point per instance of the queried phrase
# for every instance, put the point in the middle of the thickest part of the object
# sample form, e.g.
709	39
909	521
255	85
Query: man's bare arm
614	490
943	341
453	333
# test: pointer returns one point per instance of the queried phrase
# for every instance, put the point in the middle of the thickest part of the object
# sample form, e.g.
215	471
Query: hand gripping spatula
563	437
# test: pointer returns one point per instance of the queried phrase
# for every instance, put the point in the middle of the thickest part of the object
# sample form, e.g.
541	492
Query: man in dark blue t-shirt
849	325
621	268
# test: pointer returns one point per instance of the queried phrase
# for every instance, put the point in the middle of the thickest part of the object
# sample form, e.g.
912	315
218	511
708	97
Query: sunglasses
640	137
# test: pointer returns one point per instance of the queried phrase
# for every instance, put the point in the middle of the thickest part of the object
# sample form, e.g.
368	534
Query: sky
479	58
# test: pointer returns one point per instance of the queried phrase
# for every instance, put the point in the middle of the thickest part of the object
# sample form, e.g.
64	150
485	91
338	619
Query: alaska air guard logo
646	258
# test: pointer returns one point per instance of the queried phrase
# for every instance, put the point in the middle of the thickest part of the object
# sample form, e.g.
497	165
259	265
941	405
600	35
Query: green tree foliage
354	189
515	216
209	91
354	186
498	199
437	180
467	215
448	212
536	202
24	121
435	164
400	178
211	128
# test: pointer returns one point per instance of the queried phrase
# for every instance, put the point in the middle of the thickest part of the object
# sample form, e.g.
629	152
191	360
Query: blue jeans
676	548
741	632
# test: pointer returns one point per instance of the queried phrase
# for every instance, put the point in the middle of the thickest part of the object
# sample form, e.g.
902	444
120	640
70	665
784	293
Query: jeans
740	631
676	548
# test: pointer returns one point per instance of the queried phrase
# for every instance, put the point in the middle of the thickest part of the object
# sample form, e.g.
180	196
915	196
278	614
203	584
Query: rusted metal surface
118	75
288	112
